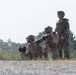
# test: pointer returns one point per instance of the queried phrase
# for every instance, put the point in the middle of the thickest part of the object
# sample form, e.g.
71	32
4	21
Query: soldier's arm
66	30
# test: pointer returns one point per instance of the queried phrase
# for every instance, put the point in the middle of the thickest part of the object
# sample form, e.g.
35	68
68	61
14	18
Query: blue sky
20	18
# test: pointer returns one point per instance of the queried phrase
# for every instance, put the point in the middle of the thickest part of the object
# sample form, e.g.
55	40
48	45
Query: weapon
23	49
42	38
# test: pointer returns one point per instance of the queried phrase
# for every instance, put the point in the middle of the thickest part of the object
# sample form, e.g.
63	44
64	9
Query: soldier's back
33	50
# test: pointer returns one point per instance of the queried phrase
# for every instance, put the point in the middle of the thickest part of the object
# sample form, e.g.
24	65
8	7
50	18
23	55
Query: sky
20	18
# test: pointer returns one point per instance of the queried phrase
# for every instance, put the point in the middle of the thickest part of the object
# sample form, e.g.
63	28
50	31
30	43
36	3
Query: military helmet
48	29
61	13
30	38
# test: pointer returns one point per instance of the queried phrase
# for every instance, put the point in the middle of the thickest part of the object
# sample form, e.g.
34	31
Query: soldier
62	27
34	49
52	42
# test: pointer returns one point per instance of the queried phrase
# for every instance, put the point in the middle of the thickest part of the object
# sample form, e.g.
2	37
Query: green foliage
49	56
10	57
1	57
73	55
40	34
72	46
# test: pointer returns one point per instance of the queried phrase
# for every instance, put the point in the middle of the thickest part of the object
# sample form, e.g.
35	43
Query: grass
17	57
10	56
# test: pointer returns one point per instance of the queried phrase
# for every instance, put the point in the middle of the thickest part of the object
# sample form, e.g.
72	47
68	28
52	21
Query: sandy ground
38	67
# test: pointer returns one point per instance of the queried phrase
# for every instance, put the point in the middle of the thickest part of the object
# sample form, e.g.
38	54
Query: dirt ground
66	67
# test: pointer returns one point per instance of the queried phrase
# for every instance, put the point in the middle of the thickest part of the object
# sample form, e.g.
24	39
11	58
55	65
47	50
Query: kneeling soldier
52	42
34	49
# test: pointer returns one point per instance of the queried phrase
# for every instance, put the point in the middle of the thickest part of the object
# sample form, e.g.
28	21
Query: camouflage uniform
62	27
24	56
51	42
33	48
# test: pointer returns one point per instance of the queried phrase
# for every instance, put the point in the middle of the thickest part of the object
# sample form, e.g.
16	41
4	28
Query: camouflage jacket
62	27
52	41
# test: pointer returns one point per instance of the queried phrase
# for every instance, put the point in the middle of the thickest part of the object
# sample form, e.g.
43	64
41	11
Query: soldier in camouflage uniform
62	27
34	49
52	42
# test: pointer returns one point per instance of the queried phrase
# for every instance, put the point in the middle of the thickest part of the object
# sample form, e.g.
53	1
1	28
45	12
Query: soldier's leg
45	53
39	49
30	56
60	50
40	55
66	50
55	54
24	56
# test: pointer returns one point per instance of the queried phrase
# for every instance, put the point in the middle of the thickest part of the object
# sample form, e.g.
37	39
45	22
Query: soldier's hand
62	37
46	41
52	35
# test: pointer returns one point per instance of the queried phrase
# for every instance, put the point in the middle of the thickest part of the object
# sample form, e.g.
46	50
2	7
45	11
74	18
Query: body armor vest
59	27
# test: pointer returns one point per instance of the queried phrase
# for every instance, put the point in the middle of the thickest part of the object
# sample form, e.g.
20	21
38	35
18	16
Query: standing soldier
62	27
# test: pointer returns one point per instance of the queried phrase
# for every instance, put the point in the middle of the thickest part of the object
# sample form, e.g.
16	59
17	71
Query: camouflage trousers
64	48
54	52
24	56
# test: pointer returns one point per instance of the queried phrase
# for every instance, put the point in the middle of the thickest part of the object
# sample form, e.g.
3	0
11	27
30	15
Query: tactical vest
59	27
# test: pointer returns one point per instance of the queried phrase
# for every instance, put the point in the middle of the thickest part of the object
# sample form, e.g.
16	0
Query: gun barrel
42	39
